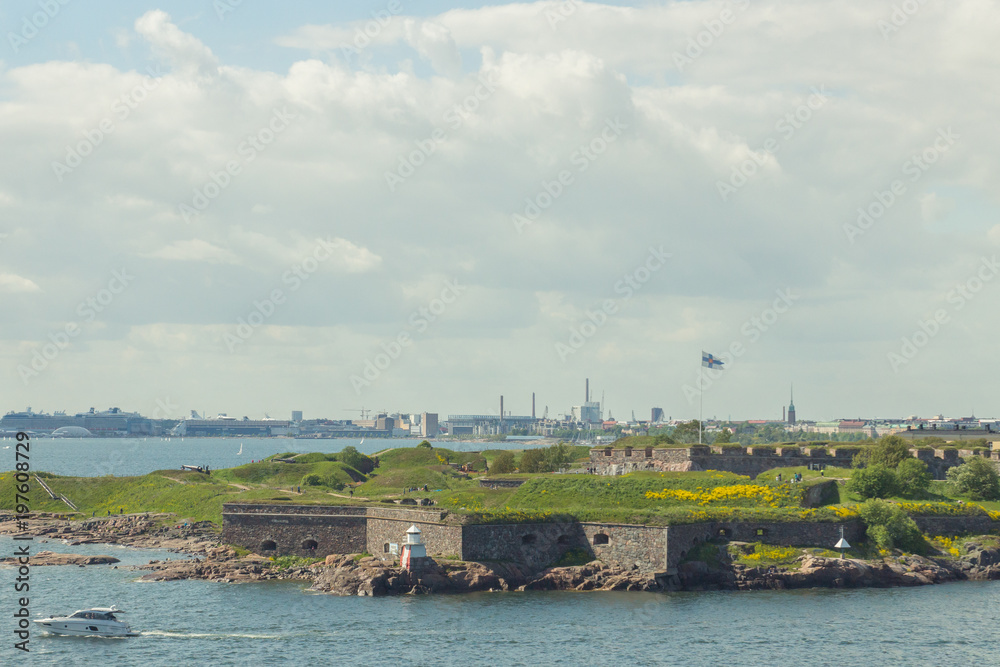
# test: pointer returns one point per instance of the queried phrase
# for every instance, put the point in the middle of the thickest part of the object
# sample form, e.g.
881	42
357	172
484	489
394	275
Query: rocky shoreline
141	531
365	575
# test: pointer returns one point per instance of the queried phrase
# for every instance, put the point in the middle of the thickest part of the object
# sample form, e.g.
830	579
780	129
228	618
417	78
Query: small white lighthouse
413	549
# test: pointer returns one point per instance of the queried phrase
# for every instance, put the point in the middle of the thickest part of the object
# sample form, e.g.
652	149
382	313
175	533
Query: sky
236	208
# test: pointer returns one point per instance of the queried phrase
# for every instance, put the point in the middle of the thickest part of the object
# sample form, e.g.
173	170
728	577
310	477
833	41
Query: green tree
312	479
875	481
913	477
889	527
558	456
503	464
425	444
686	433
976	478
725	435
533	460
889	451
352	457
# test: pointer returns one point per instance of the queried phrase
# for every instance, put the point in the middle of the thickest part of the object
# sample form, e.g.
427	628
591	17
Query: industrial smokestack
586	397
501	407
532	405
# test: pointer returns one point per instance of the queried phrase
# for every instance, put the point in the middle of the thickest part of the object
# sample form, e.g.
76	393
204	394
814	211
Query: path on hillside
174	479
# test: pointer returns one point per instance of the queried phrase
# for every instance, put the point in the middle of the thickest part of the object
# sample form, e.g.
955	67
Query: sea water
211	623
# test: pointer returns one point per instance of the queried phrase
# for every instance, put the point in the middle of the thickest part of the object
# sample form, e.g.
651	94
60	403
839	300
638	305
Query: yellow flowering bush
947	544
758	494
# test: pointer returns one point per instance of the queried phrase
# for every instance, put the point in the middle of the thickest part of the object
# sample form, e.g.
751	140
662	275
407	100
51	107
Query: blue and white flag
709	360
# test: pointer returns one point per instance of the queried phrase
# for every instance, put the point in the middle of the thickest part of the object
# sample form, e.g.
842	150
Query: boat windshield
93	615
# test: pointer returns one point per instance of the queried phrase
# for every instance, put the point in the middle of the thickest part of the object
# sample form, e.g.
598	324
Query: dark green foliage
503	464
889	451
686	433
875	481
977	478
534	460
559	456
425	444
724	436
913	477
574	557
889	527
352	457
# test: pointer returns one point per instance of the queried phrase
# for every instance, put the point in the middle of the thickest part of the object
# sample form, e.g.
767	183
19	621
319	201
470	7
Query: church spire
791	405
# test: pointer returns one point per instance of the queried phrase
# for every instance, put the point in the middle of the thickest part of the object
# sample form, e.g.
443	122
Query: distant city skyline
252	209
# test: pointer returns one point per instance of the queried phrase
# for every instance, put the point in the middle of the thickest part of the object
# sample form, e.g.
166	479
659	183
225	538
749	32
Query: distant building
588	413
791	409
384	423
296	415
428	425
657	415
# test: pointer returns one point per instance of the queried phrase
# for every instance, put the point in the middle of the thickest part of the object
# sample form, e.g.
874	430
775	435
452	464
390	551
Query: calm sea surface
206	623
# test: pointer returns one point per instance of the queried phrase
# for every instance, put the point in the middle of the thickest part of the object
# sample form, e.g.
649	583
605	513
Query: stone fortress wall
753	461
317	531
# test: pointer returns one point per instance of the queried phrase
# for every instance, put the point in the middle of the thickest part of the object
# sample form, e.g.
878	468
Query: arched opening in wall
725	533
528	539
649	452
563	539
628	451
601	538
310	545
385	548
268	545
761	532
607	451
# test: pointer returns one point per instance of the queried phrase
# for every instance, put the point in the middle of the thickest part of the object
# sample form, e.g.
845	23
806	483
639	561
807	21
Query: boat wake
207	635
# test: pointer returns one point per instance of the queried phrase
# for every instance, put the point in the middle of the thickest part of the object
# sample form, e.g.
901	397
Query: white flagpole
701	403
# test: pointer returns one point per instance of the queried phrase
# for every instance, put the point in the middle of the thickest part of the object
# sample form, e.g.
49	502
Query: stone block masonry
752	461
318	531
294	530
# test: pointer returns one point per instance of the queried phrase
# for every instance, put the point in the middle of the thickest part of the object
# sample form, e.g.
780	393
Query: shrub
890	528
533	460
889	451
875	481
558	456
976	478
357	460
312	479
913	477
425	444
574	557
503	464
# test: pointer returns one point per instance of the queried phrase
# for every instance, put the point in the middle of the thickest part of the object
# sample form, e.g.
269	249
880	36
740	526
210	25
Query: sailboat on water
240	453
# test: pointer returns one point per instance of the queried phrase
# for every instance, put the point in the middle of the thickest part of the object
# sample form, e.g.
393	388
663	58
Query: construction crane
364	412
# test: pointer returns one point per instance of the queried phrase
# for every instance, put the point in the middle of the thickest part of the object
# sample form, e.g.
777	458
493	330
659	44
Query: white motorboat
96	622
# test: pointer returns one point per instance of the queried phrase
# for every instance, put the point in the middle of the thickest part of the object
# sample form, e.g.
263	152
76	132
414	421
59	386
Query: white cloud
183	51
194	250
12	284
487	153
